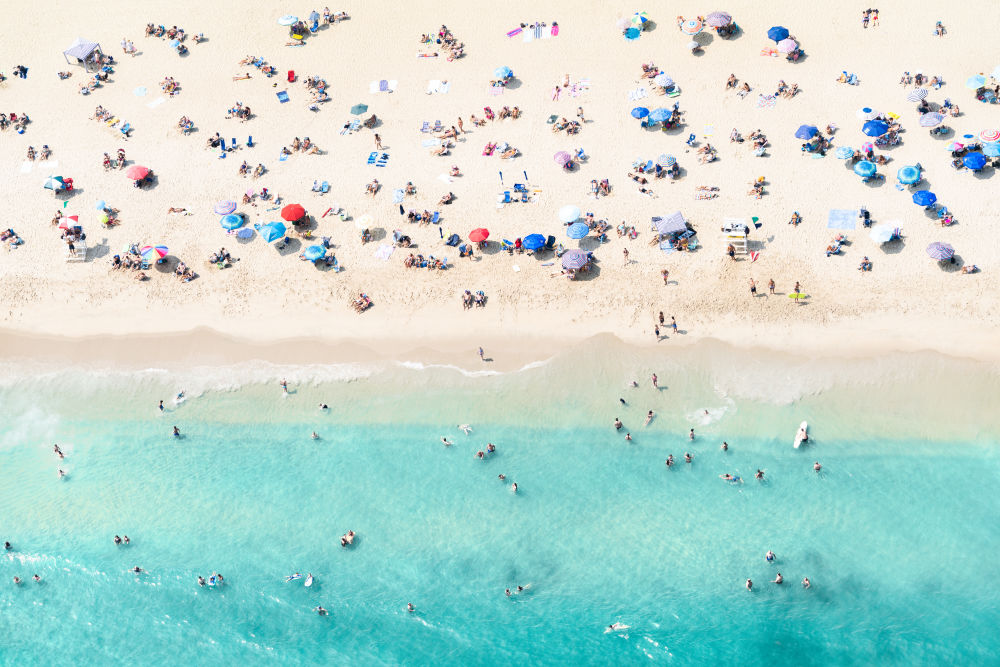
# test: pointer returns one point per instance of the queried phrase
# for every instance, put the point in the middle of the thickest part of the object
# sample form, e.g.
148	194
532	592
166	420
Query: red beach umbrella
479	235
137	172
69	221
292	212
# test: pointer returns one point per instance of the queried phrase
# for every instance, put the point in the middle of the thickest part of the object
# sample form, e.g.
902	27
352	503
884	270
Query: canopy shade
81	50
671	224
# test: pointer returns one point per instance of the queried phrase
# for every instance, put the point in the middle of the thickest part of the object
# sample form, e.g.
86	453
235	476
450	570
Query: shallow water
896	532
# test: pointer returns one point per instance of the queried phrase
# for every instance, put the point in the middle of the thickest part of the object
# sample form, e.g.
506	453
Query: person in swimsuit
618	424
769	556
628	436
778	579
749	584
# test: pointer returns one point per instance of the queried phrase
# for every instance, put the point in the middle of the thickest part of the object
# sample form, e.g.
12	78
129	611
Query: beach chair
507	245
504	197
125	129
560	250
524	198
437	126
291	76
324	187
335	265
550	243
426	127
436	217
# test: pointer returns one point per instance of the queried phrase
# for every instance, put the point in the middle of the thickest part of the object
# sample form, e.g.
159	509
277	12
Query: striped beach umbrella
940	251
692	27
718	19
151	253
69	221
843	152
917	95
908	175
865	169
639	19
867	113
225	207
932	119
575	259
577	230
273	231
990	136
867	147
787	45
666	160
955	146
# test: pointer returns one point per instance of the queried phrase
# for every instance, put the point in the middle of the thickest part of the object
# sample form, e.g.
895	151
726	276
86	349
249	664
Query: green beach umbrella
359	109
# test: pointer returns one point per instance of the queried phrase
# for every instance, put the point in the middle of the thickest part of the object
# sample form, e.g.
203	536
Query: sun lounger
372	157
436	217
426	127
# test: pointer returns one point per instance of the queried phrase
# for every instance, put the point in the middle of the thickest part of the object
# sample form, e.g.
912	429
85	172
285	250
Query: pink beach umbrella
153	252
989	136
787	45
69	221
562	158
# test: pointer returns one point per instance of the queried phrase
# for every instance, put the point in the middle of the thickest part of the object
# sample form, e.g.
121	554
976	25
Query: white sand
907	301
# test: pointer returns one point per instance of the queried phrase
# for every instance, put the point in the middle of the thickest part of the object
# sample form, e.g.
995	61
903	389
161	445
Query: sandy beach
907	301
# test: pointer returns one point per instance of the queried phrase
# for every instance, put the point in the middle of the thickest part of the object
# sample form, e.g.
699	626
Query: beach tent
83	51
671	224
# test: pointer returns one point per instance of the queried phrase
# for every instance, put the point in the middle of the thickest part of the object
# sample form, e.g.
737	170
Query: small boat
802	435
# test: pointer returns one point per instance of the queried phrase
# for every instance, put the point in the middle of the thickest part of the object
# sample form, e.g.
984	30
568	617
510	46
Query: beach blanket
282	96
528	35
49	166
637	94
384	252
435	86
495	90
140	91
26	166
397	195
842	218
157	102
430	143
766	101
666	247
445	178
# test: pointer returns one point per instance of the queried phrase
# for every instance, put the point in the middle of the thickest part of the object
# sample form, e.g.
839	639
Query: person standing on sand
875	18
378	141
673	323
661	317
770	285
579	114
753	287
666	275
625	255
460	126
481	354
656	330
124	46
655	386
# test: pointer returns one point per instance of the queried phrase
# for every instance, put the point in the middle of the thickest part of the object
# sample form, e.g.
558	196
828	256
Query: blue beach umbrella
865	169
940	251
287	19
640	112
54	183
974	161
875	128
991	150
659	115
932	119
806	131
924	198
666	160
272	231
843	152
575	259
100	205
777	33
314	253
503	72
577	230
632	33
908	175
231	221
533	241
974	82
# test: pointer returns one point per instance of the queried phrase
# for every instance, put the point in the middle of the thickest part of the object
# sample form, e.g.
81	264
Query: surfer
817	467
319	610
749	584
769	556
805	583
201	580
688	458
759	474
778	579
177	432
410	608
445	441
628	436
649	418
618	424
161	406
466	428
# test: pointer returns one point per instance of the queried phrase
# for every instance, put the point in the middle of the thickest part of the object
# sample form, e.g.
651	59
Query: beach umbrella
231	221
632	33
137	172
908	175
666	160
151	253
577	230
806	132
101	205
932	119
54	183
503	72
718	19
292	212
991	150
639	19
224	207
288	19
843	152
663	80
867	147
881	233
875	128
924	198
975	82
866	113
533	241
272	231
777	33
314	253
479	235
691	27
569	213
575	259
969	139
990	136
693	45
787	45
174	43
940	251
917	95
359	109
955	146
562	158
69	221
974	161
659	115
640	112
865	169
364	222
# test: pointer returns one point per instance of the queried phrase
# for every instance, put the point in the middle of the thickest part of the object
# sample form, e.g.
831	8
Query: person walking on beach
874	18
481	354
579	114
161	406
461	128
673	323
655	386
753	287
124	46
656	330
378	141
666	276
770	285
625	255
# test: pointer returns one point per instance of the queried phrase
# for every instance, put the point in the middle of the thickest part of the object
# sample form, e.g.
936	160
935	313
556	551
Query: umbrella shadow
492	248
893	247
290	248
245	240
592	272
101	249
513	83
875	181
649	26
953	265
589	243
377	233
984	174
703	38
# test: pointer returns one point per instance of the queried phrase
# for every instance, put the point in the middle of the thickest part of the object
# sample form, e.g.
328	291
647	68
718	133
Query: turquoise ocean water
897	533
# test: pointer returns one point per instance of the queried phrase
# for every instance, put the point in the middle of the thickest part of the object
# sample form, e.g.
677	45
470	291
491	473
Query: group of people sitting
469	299
239	111
317	87
835	244
43	154
571	126
423	218
506	150
10	238
261	64
245	170
706	154
222	258
170	33
757	187
18	121
185	124
785	90
420	262
305	145
919	79
361	304
602	188
184	273
649	70
108	163
170	86
131	262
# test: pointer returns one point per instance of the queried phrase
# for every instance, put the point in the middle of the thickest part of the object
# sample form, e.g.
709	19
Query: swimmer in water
769	556
410	608
649	418
62	473
490	448
759	474
137	569
7	547
17	581
177	432
691	435
817	467
622	401
778	579
506	592
520	589
501	477
634	383
315	435
749	584
126	540
58	451
725	446
319	610
324	406
618	424
118	540
688	458
513	487
465	428
36	578
180	396
670	460
201	580
628	436
161	406
445	441
805	583
480	454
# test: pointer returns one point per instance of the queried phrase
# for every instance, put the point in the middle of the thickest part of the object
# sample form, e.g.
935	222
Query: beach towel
528	36
495	90
637	94
372	157
515	31
766	101
157	102
841	218
538	31
444	178
430	143
666	247
397	195
282	96
140	91
384	252
49	165
281	158
444	87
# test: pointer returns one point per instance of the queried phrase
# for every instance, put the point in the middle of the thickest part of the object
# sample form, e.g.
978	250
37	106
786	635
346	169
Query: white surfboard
801	435
309	580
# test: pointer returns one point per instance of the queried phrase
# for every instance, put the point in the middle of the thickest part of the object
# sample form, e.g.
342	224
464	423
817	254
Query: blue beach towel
282	96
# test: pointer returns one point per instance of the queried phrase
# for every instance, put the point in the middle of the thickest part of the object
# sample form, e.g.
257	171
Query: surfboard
309	580
800	436
293	577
